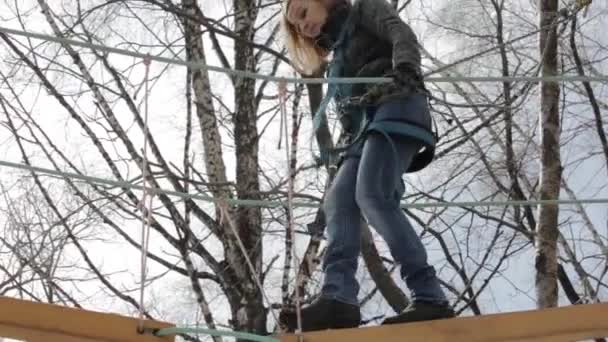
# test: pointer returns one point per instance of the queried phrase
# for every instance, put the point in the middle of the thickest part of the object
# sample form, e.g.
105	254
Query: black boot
323	314
422	311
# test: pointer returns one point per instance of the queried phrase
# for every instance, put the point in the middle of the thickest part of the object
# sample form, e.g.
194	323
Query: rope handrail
353	80
277	203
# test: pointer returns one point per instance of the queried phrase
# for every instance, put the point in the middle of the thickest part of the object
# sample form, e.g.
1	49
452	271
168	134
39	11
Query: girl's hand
406	80
406	77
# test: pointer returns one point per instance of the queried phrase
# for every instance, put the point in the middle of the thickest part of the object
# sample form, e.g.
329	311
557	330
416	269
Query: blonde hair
306	55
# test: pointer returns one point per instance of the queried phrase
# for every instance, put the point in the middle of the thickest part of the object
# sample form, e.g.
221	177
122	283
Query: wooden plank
571	323
22	334
41	322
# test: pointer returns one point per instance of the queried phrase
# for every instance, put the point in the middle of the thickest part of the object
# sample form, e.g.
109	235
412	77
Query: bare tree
547	230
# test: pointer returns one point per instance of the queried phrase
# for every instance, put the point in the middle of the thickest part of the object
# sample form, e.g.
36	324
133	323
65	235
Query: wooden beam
571	323
40	322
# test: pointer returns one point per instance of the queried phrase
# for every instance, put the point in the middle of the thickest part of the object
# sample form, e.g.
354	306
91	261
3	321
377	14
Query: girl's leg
343	220
337	306
379	189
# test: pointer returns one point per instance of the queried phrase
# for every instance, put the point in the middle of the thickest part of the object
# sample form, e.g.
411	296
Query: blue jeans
372	186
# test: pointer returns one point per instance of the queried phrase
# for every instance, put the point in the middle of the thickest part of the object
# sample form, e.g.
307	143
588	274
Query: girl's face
307	16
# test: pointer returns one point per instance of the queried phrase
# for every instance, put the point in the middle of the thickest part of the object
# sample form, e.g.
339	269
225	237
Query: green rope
339	80
128	185
214	332
274	204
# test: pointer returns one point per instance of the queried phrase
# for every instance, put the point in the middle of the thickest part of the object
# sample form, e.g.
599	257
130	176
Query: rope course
145	204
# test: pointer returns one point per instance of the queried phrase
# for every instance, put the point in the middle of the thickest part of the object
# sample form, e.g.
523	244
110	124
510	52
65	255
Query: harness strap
390	128
334	70
403	128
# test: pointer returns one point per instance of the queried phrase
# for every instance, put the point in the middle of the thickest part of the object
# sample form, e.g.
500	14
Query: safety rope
213	332
291	157
296	204
146	209
353	80
147	195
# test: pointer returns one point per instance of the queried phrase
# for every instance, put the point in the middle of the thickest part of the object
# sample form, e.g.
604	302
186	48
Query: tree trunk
205	112
391	292
246	300
252	315
547	229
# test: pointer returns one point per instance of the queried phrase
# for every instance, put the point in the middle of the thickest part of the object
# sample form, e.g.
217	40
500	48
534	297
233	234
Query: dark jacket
378	42
378	36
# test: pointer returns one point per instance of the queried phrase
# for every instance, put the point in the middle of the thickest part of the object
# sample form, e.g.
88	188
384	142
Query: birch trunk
245	298
547	229
214	164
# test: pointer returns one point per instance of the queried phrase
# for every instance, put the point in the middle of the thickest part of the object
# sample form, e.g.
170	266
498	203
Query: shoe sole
341	325
390	321
345	326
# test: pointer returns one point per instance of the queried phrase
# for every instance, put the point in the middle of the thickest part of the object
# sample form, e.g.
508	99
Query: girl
389	126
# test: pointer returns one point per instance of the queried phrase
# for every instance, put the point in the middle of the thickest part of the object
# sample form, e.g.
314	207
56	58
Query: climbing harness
362	114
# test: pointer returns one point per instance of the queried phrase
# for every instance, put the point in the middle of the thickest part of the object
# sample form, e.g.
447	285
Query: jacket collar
334	24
